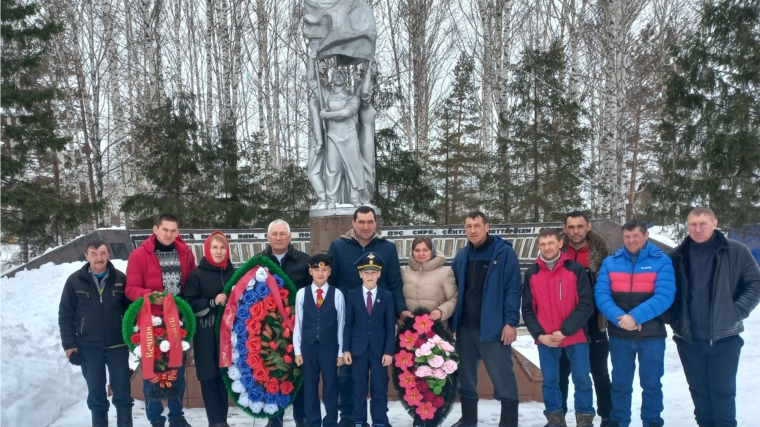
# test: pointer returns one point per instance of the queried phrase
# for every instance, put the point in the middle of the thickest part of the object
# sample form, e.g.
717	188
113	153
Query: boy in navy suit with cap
318	342
368	339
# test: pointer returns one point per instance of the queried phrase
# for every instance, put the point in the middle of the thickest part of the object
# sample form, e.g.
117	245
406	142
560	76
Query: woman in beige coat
427	282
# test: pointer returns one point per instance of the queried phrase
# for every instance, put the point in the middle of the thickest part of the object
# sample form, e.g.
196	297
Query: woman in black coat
204	293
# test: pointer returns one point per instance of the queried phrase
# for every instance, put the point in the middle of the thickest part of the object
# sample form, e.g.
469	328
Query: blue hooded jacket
502	291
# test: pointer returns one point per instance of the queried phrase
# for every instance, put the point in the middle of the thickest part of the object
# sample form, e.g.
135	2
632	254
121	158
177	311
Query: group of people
581	304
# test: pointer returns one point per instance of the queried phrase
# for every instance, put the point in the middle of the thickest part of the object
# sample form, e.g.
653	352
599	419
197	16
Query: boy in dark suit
318	340
368	338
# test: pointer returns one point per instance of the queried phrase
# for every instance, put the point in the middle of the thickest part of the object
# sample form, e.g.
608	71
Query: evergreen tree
172	165
458	158
543	171
32	203
403	190
709	148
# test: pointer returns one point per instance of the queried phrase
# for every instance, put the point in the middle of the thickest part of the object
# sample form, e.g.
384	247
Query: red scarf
207	250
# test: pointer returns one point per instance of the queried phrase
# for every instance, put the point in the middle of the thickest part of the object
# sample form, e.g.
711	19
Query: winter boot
179	422
469	413
99	418
124	416
584	420
555	419
509	413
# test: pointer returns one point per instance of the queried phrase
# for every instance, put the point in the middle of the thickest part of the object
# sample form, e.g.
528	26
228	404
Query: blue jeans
96	359
580	369
651	354
155	408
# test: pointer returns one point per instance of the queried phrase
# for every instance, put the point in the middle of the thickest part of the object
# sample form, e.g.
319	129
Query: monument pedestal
327	225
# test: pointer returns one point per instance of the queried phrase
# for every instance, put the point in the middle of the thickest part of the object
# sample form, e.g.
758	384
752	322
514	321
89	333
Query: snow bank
38	383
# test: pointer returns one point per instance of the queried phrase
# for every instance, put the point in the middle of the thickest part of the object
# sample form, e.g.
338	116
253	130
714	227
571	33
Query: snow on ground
40	388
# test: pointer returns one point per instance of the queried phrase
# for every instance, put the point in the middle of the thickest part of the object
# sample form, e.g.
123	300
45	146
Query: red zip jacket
144	272
558	300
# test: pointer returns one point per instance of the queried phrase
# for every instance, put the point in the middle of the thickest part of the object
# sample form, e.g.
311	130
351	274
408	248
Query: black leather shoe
346	422
274	422
158	424
301	422
179	422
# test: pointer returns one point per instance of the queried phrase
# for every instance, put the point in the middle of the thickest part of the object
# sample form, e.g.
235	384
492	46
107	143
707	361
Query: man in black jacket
89	317
717	286
295	264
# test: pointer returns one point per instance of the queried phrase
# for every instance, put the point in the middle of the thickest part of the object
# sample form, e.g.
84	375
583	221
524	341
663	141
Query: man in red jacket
162	263
557	302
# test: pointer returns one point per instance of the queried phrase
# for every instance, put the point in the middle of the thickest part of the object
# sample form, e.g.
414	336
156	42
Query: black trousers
96	360
498	360
215	400
711	373
598	353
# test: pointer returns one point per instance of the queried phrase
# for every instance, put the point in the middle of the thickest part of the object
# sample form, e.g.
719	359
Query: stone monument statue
341	164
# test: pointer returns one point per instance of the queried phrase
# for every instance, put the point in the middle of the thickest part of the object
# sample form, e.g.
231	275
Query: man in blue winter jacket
485	321
345	252
636	285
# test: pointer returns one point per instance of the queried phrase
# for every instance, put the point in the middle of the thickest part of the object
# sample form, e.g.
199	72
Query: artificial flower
424	350
406	379
413	397
256	407
234	373
262	290
422	324
185	345
136	329
438	401
261	274
164	346
135	338
418	342
251	284
272	386
436	361
422	385
407	339
287	359
271	408
257	311
247	380
283	401
423	371
237	387
438	373
404	359
159	332
243	400
249	298
446	346
270	303
286	387
435	340
156	320
426	411
261	374
137	351
449	366
235	355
